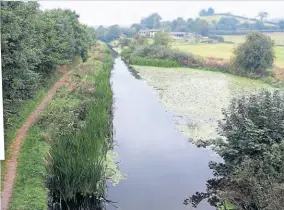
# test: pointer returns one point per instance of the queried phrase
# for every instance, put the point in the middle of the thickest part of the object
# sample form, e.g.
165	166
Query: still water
162	167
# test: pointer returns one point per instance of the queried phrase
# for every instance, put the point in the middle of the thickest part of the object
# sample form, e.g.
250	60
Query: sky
125	13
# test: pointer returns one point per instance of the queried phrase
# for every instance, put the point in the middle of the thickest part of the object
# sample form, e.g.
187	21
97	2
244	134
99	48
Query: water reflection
162	167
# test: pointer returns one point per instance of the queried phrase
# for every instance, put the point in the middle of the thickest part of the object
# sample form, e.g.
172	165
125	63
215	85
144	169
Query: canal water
162	167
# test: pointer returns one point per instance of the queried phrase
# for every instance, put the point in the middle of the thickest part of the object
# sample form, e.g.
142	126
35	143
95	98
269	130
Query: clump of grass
76	163
153	62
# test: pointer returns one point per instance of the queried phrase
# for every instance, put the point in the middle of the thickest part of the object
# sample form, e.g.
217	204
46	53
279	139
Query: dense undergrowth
153	62
34	43
76	130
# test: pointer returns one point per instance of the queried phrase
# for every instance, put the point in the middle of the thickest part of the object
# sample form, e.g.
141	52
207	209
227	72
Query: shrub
124	42
153	62
125	54
254	56
162	38
251	175
216	37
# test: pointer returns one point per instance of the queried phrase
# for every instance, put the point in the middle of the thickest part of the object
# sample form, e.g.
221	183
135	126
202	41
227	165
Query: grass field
278	37
216	18
224	51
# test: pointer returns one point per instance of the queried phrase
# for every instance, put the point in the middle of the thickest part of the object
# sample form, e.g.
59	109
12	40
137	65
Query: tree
262	15
138	41
191	25
34	43
202	12
129	32
152	21
113	32
252	147
227	23
259	25
202	27
281	24
255	55
179	25
210	11
137	27
162	38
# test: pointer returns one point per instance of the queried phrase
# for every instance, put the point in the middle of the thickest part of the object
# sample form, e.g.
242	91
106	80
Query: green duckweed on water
196	97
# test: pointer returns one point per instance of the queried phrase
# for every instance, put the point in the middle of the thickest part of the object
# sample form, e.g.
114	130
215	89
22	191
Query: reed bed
79	126
153	62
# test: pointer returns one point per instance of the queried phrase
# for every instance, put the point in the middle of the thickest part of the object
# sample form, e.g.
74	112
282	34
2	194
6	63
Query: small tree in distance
254	56
162	38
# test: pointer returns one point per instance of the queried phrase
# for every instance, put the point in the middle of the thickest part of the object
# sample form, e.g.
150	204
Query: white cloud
128	12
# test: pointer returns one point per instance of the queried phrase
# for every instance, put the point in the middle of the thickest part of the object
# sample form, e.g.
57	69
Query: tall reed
76	159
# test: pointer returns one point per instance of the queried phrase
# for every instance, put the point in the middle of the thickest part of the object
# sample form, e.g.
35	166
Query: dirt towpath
20	137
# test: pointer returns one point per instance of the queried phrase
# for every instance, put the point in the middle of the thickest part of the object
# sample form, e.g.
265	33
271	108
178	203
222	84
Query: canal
161	166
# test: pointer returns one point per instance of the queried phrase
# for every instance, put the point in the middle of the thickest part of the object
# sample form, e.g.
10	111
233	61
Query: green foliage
252	147
34	43
129	32
152	21
202	27
109	34
124	42
153	62
255	55
162	38
125	54
281	24
165	53
80	130
210	11
138	41
227	23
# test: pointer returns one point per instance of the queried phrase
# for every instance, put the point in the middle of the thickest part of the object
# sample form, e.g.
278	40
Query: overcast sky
125	13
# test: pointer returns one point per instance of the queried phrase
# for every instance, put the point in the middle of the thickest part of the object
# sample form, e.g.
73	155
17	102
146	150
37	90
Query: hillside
217	17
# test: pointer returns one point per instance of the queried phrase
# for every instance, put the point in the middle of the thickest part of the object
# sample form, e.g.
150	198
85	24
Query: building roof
149	30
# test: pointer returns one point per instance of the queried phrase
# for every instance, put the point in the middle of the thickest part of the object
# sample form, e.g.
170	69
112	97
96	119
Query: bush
254	56
125	54
124	42
252	147
166	53
153	62
216	37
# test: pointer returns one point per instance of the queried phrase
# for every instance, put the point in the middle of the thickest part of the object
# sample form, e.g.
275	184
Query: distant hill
276	20
242	19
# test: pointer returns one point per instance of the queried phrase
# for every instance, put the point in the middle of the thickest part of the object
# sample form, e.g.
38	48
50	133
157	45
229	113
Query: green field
278	37
224	51
216	18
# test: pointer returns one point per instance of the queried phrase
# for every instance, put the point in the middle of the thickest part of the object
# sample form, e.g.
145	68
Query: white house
149	32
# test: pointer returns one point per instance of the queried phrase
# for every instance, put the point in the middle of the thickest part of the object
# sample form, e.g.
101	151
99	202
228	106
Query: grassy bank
71	142
18	119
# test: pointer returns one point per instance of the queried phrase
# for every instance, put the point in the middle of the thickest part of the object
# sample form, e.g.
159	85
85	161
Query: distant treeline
229	23
34	43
